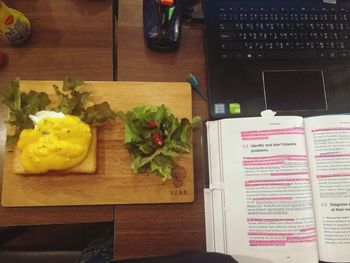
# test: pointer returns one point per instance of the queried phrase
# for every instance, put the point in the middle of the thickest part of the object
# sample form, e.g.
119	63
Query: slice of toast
88	165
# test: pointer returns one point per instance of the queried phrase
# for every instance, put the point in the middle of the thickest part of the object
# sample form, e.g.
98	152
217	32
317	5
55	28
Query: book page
215	221
268	202
328	140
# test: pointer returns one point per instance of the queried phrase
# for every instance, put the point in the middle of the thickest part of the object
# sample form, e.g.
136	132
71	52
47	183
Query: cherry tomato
157	139
152	124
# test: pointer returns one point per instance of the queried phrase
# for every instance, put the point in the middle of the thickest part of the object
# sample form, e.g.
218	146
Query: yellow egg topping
54	144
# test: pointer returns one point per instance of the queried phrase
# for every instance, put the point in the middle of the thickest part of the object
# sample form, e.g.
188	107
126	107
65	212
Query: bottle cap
167	2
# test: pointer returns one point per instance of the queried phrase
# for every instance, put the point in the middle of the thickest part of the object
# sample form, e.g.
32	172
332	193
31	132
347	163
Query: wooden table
70	37
150	230
73	37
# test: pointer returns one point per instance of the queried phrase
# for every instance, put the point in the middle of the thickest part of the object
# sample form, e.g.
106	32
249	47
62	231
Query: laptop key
226	26
225	56
238	55
222	17
259	55
332	54
249	55
227	36
290	55
227	45
344	54
347	44
322	54
344	36
238	26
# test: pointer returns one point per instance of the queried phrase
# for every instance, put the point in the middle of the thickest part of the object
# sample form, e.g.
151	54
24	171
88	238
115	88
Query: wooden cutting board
113	182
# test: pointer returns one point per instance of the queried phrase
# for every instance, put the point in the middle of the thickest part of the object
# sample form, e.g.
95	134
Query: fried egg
57	142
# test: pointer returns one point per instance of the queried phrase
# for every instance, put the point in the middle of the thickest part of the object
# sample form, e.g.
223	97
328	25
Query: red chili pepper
153	124
157	139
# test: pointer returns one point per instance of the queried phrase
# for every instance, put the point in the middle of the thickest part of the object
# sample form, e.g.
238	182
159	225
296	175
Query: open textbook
279	189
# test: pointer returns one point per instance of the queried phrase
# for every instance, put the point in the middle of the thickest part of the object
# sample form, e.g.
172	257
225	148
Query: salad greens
71	101
21	105
154	137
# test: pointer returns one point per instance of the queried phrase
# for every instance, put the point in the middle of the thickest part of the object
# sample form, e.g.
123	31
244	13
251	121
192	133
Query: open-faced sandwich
155	138
54	136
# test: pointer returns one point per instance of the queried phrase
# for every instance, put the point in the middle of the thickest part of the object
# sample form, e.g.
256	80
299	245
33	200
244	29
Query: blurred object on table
3	59
14	26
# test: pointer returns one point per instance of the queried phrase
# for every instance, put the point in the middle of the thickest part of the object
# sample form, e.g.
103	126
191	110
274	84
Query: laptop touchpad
293	90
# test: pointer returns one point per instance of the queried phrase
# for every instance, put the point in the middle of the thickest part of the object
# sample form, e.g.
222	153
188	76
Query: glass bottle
14	26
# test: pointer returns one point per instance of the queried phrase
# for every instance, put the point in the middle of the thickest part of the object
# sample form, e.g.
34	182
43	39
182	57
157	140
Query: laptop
289	56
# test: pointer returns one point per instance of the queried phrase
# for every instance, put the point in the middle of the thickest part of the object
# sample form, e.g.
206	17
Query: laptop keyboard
284	33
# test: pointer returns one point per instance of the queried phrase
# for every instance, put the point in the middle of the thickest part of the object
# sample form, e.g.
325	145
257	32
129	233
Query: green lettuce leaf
71	101
21	105
97	114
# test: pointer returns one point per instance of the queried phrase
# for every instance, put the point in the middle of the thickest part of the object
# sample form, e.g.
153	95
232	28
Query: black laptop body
249	72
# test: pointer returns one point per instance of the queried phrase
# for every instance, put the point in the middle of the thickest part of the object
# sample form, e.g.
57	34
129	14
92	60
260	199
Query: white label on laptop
219	108
330	2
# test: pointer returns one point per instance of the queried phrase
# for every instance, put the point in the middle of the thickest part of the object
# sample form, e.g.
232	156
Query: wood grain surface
69	37
113	182
151	230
